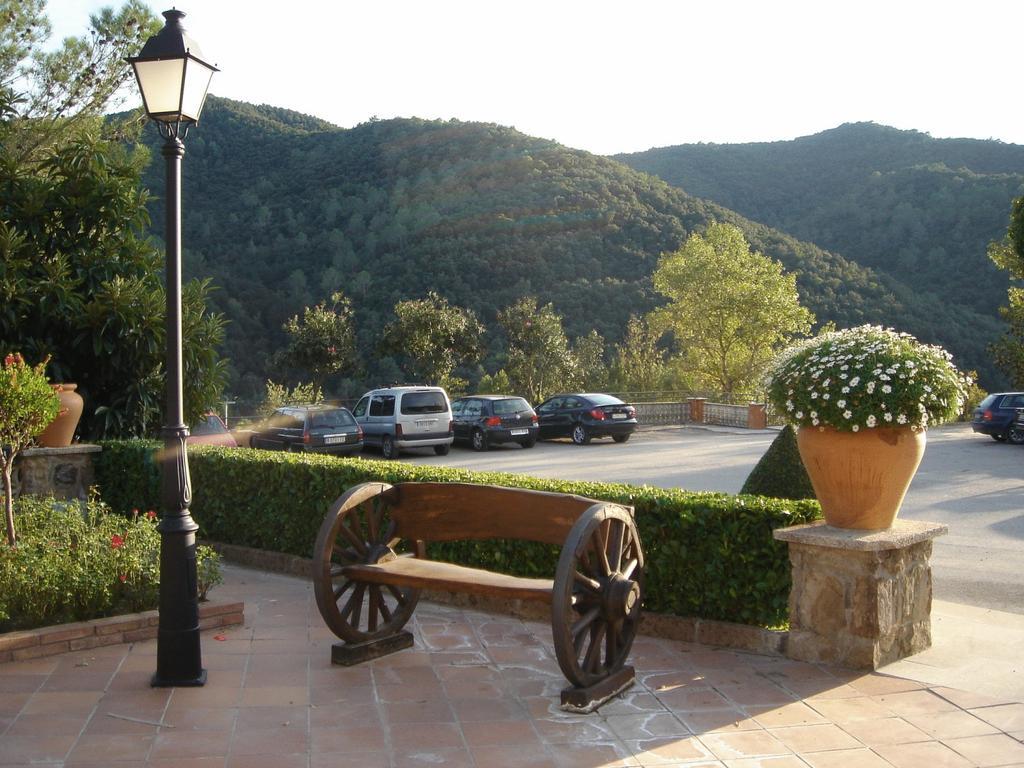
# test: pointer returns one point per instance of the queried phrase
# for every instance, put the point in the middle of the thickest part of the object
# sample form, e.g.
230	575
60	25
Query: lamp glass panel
197	81
160	83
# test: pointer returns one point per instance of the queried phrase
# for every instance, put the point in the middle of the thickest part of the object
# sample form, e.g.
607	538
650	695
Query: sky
620	76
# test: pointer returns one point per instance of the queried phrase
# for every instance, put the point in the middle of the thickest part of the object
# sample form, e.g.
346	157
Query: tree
729	307
322	343
1008	254
431	338
46	95
82	285
497	384
539	359
27	404
592	373
639	364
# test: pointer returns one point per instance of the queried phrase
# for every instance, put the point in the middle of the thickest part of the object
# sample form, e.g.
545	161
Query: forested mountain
920	209
281	209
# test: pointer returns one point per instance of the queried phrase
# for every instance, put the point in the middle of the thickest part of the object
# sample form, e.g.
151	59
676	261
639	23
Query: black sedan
484	420
314	428
585	416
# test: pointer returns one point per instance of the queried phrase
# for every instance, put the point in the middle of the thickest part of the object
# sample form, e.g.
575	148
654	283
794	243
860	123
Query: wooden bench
370	566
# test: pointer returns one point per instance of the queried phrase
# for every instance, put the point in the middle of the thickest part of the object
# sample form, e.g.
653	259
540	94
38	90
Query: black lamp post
174	79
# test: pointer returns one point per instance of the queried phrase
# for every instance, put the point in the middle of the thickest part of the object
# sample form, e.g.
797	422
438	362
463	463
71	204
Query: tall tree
592	373
1008	254
539	359
639	364
431	337
52	92
729	307
322	343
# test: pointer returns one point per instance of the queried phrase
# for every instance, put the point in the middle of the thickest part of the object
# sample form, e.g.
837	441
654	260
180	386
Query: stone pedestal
65	473
859	598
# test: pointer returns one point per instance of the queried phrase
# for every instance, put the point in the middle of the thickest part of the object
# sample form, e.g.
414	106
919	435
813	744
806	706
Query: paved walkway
477	690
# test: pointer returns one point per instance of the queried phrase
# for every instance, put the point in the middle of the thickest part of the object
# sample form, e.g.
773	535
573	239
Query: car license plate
516	432
334	439
618	415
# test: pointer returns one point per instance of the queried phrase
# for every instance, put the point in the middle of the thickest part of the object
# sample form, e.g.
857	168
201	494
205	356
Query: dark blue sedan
995	414
585	416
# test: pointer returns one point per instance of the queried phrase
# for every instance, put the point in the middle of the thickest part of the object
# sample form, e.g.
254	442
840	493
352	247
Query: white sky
619	76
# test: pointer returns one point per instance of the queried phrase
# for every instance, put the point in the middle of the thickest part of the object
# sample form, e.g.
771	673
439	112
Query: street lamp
174	79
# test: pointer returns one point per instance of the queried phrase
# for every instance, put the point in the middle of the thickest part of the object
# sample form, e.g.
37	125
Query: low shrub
709	555
76	561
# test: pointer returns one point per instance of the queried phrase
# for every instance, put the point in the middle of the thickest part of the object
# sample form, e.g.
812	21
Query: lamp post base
162	682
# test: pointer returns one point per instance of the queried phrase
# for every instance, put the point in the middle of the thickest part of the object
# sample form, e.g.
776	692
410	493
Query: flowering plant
866	377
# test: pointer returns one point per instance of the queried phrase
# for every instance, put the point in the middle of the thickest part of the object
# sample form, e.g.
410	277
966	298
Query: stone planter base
860	599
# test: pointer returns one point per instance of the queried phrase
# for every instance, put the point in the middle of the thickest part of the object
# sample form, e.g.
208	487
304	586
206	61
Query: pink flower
151	515
116	541
123	577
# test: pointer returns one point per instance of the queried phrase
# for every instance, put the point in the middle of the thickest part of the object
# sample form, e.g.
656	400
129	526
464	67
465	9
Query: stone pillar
860	598
756	416
696	409
65	473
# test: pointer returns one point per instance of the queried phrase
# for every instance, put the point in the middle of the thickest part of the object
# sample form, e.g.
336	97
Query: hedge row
709	555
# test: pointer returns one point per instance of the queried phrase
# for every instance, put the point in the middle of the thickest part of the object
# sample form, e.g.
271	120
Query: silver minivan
396	418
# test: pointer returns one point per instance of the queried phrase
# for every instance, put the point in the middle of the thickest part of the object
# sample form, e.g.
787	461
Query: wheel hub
621	598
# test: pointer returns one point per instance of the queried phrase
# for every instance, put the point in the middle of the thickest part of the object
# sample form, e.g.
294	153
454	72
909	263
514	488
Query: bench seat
432	574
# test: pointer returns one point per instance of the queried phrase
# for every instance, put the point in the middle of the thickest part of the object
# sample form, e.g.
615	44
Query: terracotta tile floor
476	690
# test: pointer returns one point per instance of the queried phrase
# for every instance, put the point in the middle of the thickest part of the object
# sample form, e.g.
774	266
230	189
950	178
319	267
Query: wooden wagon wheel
359	529
597	594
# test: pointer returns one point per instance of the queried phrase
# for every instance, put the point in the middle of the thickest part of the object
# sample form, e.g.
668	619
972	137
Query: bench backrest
453	511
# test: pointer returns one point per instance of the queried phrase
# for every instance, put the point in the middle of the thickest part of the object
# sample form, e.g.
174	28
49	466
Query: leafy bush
78	561
780	473
709	555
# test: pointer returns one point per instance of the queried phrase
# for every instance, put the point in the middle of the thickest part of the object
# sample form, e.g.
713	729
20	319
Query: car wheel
1000	437
479	440
296	448
580	435
529	443
441	450
388	448
1016	435
620	438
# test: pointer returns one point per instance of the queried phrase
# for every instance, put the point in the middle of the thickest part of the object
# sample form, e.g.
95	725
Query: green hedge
709	555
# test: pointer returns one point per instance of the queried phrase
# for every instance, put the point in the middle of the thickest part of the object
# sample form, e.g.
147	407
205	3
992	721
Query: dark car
996	413
210	430
585	416
1015	434
484	420
315	428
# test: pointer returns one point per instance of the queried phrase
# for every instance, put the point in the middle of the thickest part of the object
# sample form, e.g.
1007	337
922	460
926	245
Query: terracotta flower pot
60	431
860	478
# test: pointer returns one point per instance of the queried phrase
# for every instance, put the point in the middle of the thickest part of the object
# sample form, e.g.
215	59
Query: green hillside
282	209
920	209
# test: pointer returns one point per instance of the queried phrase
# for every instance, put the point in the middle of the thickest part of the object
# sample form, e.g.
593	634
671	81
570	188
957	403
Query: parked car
314	428
397	418
996	413
585	416
210	430
484	420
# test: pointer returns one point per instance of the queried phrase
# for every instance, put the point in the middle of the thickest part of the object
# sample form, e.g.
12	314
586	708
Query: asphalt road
969	482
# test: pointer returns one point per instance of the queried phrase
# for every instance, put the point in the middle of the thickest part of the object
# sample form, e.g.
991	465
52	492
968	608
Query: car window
572	402
1015	401
382	405
329	419
457	407
360	409
473	408
511	405
424	402
604	400
551	405
211	425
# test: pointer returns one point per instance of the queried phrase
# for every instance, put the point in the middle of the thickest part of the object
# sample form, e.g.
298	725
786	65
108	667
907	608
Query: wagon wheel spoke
587	583
353	538
617	543
374	608
354	604
593	657
397	594
584	621
339	591
630	567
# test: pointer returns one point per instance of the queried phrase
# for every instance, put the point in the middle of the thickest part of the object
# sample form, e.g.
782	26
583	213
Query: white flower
887	416
826	396
886	389
871	421
855	381
814	422
789	405
901	419
855	428
841	403
845	390
847	414
870	387
814	395
799	414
